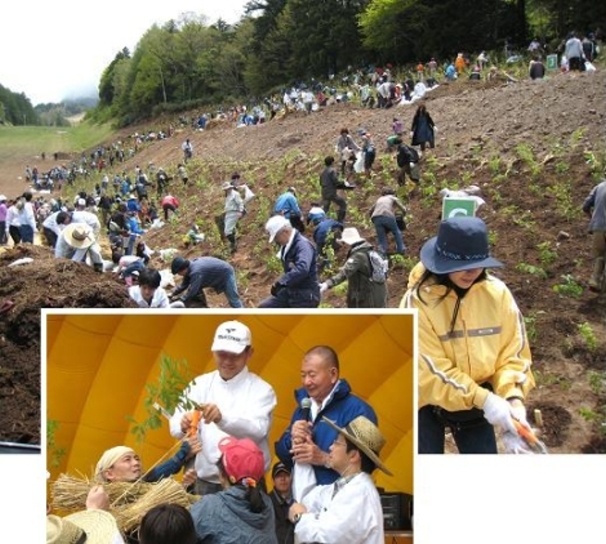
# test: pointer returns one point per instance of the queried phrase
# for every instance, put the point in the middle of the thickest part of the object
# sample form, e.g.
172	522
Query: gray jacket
224	518
595	205
361	292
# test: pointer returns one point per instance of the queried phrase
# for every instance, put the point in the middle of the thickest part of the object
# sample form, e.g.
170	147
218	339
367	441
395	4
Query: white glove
412	133
519	413
323	287
514	443
435	129
498	412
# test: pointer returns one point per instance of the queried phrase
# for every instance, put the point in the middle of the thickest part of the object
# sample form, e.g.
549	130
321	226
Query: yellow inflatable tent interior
98	366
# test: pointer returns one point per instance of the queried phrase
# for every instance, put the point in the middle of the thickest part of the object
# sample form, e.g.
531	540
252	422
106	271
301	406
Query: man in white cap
298	287
232	401
77	241
348	510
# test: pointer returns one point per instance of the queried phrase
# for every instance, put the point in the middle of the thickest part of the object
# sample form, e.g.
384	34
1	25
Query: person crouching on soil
474	360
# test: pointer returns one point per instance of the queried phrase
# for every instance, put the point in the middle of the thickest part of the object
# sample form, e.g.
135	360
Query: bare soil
562	119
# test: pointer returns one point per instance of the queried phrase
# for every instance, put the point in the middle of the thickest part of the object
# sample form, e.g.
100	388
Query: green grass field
28	141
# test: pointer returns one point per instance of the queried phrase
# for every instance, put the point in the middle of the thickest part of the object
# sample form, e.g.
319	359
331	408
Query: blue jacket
326	225
287	205
299	264
168	468
342	408
205	272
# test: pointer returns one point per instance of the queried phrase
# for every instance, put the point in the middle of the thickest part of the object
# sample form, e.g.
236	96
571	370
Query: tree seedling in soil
588	336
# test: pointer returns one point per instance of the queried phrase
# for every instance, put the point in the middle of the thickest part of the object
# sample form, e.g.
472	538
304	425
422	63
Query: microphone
305	408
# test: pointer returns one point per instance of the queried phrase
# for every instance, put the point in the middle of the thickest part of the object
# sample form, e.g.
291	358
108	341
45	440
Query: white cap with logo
231	336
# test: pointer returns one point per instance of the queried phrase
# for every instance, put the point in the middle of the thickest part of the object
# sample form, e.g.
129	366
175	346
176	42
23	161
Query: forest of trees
187	63
16	109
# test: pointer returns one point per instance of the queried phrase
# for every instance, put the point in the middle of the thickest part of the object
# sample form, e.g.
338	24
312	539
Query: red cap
242	458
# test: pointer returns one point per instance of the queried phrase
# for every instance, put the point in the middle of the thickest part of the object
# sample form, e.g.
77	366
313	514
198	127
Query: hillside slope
532	147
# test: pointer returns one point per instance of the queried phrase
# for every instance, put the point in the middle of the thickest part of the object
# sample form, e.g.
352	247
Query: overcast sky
52	50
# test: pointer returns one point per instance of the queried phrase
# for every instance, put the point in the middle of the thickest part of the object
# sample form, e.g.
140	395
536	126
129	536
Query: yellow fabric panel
99	364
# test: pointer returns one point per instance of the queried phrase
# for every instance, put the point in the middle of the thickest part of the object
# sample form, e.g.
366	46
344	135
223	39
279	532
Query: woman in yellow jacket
473	355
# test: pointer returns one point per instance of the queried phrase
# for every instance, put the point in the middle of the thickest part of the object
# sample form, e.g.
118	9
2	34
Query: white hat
2	198
79	235
351	236
109	459
275	224
99	526
80	202
227	185
231	336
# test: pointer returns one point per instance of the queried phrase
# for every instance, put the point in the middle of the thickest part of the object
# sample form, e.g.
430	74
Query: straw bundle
128	501
69	493
166	491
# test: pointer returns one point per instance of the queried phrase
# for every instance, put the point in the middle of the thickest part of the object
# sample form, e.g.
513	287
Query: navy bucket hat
461	244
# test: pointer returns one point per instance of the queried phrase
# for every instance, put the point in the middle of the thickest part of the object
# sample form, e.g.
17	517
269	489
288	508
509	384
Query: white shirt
353	516
82	216
246	403
159	300
12	217
27	216
51	223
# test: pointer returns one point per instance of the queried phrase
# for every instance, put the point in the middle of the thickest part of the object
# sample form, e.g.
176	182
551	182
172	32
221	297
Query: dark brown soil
44	283
561	119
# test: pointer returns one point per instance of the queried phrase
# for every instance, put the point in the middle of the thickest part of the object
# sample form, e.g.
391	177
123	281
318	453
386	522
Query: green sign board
552	62
453	206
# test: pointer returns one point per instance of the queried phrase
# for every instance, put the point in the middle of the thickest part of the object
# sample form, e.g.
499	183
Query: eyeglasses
339	443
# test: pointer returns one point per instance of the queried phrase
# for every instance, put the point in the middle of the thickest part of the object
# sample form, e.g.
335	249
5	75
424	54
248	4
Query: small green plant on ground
167	394
530	324
526	155
561	167
568	287
566	205
549	379
494	164
274	265
597	381
546	255
524	220
525	268
588	335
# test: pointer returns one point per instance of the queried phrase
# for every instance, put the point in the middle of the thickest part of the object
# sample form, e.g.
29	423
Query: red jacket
170	200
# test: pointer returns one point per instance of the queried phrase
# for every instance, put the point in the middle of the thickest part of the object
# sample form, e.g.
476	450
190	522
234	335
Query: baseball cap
231	336
275	224
242	458
279	467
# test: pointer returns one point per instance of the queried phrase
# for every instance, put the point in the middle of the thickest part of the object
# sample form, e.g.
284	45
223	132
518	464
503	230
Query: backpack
379	267
407	154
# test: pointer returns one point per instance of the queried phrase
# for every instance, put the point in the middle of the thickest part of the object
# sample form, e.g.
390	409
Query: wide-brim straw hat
461	244
79	235
99	526
365	435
